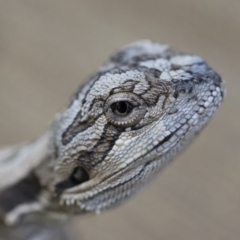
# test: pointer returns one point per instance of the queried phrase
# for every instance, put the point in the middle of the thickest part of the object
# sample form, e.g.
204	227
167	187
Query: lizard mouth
78	176
108	190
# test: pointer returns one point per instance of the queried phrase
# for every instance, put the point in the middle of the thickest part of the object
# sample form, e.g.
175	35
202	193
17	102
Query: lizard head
130	119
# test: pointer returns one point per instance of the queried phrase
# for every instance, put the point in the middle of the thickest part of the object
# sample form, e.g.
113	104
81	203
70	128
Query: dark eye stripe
101	149
76	127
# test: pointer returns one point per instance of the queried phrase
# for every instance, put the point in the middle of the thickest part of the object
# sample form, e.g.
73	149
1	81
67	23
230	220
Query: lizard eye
121	108
124	109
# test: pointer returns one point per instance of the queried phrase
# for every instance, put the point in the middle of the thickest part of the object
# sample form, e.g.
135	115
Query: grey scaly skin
130	119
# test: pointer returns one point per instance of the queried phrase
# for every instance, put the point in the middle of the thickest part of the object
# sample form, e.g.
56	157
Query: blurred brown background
47	48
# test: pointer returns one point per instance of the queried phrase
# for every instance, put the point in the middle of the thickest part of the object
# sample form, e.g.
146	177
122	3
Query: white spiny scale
167	133
214	93
160	138
195	116
206	104
165	76
143	151
127	142
149	147
201	110
68	202
185	60
115	148
137	155
119	142
72	201
122	165
129	160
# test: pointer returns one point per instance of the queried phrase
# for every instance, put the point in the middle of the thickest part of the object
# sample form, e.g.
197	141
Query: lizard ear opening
78	176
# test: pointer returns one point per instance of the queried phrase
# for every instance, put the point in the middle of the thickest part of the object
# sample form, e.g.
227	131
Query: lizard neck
20	183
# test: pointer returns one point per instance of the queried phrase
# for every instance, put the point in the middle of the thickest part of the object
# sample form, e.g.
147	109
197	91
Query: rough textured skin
122	126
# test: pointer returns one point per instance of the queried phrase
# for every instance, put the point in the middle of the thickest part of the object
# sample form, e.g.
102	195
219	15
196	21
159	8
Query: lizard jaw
122	185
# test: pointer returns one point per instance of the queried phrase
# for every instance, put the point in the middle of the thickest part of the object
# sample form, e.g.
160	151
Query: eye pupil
121	108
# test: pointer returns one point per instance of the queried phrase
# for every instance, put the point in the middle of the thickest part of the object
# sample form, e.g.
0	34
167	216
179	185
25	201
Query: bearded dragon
129	120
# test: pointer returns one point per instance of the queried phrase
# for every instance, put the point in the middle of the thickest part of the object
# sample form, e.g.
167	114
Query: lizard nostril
78	176
182	89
